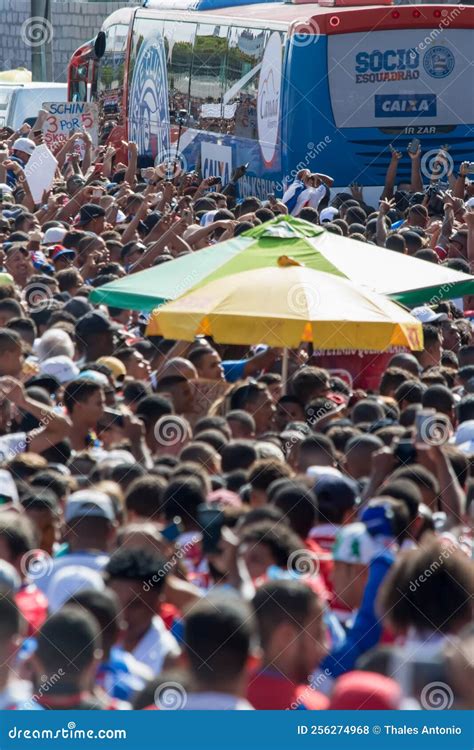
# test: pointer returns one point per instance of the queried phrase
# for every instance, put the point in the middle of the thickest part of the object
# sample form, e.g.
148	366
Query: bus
279	87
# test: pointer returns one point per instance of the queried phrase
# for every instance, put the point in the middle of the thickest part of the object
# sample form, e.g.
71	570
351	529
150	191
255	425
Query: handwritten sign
66	118
40	171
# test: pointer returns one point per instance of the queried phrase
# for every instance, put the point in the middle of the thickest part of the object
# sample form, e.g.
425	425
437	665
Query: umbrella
403	278
285	304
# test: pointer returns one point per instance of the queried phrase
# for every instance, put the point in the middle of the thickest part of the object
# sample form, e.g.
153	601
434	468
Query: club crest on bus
148	119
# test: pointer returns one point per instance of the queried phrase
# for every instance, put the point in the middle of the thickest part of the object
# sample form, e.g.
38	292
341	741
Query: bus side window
245	53
207	79
179	43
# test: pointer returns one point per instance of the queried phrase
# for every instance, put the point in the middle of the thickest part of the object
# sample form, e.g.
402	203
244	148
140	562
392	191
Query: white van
19	101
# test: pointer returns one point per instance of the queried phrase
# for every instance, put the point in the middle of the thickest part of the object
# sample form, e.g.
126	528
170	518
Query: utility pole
38	34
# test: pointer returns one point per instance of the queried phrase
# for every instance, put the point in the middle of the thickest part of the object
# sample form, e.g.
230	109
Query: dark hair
341	434
53	481
428	588
215	438
217	636
213	423
130	564
299	505
78	391
104	607
182	498
67	642
9	340
238	454
392	379
407	491
17	534
367	410
277	602
125	474
418	474
245	394
243	417
438	397
278	537
145	497
10	617
304	382
465	408
265	471
411	391
151	408
309	214
22	325
195	355
431	335
320	443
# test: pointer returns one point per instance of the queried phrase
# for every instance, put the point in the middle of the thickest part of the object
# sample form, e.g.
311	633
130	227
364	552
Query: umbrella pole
284	370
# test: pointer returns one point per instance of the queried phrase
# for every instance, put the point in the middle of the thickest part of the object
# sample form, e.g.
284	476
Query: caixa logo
405	105
390	65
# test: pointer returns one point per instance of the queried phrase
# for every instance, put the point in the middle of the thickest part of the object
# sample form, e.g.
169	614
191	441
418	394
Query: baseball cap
60	367
90	503
54	236
354	545
89	212
328	214
69	581
59	251
113	363
24	144
5	191
336	490
78	306
426	315
94	322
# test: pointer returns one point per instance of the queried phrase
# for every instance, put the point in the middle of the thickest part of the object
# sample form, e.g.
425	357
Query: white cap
8	487
60	367
354	545
90	503
328	214
24	144
69	581
54	236
208	217
426	315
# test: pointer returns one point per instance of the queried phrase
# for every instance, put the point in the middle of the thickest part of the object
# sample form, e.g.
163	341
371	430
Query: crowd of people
299	545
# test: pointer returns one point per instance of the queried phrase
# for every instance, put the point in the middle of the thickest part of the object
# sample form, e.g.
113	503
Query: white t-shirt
311	197
156	645
94	560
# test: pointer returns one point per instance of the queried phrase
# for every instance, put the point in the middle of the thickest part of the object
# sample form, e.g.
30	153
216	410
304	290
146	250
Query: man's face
451	337
137	607
138	367
18	264
258	558
311	643
47	525
92	409
11	362
288	412
210	367
263	411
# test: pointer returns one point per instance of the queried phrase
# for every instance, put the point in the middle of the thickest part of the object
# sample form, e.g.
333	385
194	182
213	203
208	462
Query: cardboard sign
40	171
65	118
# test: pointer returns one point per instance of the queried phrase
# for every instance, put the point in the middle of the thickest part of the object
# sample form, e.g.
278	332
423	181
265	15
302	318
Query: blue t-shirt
234	369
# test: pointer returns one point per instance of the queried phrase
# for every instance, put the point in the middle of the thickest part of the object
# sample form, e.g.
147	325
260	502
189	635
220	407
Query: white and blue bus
284	86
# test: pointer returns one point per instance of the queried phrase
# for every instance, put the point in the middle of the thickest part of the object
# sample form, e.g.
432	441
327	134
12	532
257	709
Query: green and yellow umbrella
402	278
